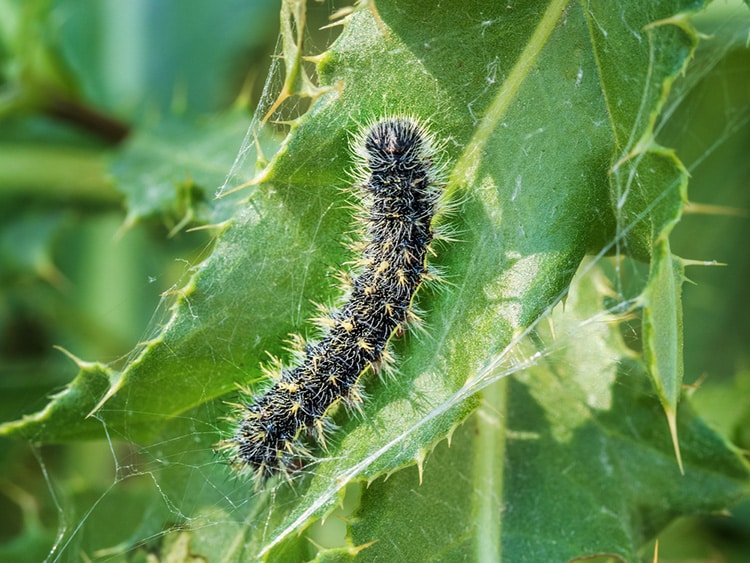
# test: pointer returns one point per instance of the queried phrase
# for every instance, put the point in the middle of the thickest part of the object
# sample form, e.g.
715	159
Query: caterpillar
400	188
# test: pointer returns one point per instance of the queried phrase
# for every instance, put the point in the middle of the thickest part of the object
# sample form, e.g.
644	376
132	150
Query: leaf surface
568	459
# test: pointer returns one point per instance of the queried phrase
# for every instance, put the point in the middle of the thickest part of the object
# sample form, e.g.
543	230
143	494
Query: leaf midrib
464	172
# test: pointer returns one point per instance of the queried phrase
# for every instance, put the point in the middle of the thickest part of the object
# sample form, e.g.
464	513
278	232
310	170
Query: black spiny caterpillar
400	184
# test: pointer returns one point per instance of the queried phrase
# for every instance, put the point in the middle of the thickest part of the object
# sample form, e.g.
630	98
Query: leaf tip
83	365
672	421
420	467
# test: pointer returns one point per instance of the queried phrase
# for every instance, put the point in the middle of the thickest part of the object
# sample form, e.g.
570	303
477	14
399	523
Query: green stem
54	174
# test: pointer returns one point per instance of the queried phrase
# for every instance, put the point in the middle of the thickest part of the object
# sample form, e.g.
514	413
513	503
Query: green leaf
662	331
606	487
546	112
61	419
174	170
567	460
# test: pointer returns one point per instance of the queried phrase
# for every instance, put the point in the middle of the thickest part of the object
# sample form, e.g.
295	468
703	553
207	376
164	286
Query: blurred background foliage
94	93
80	83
